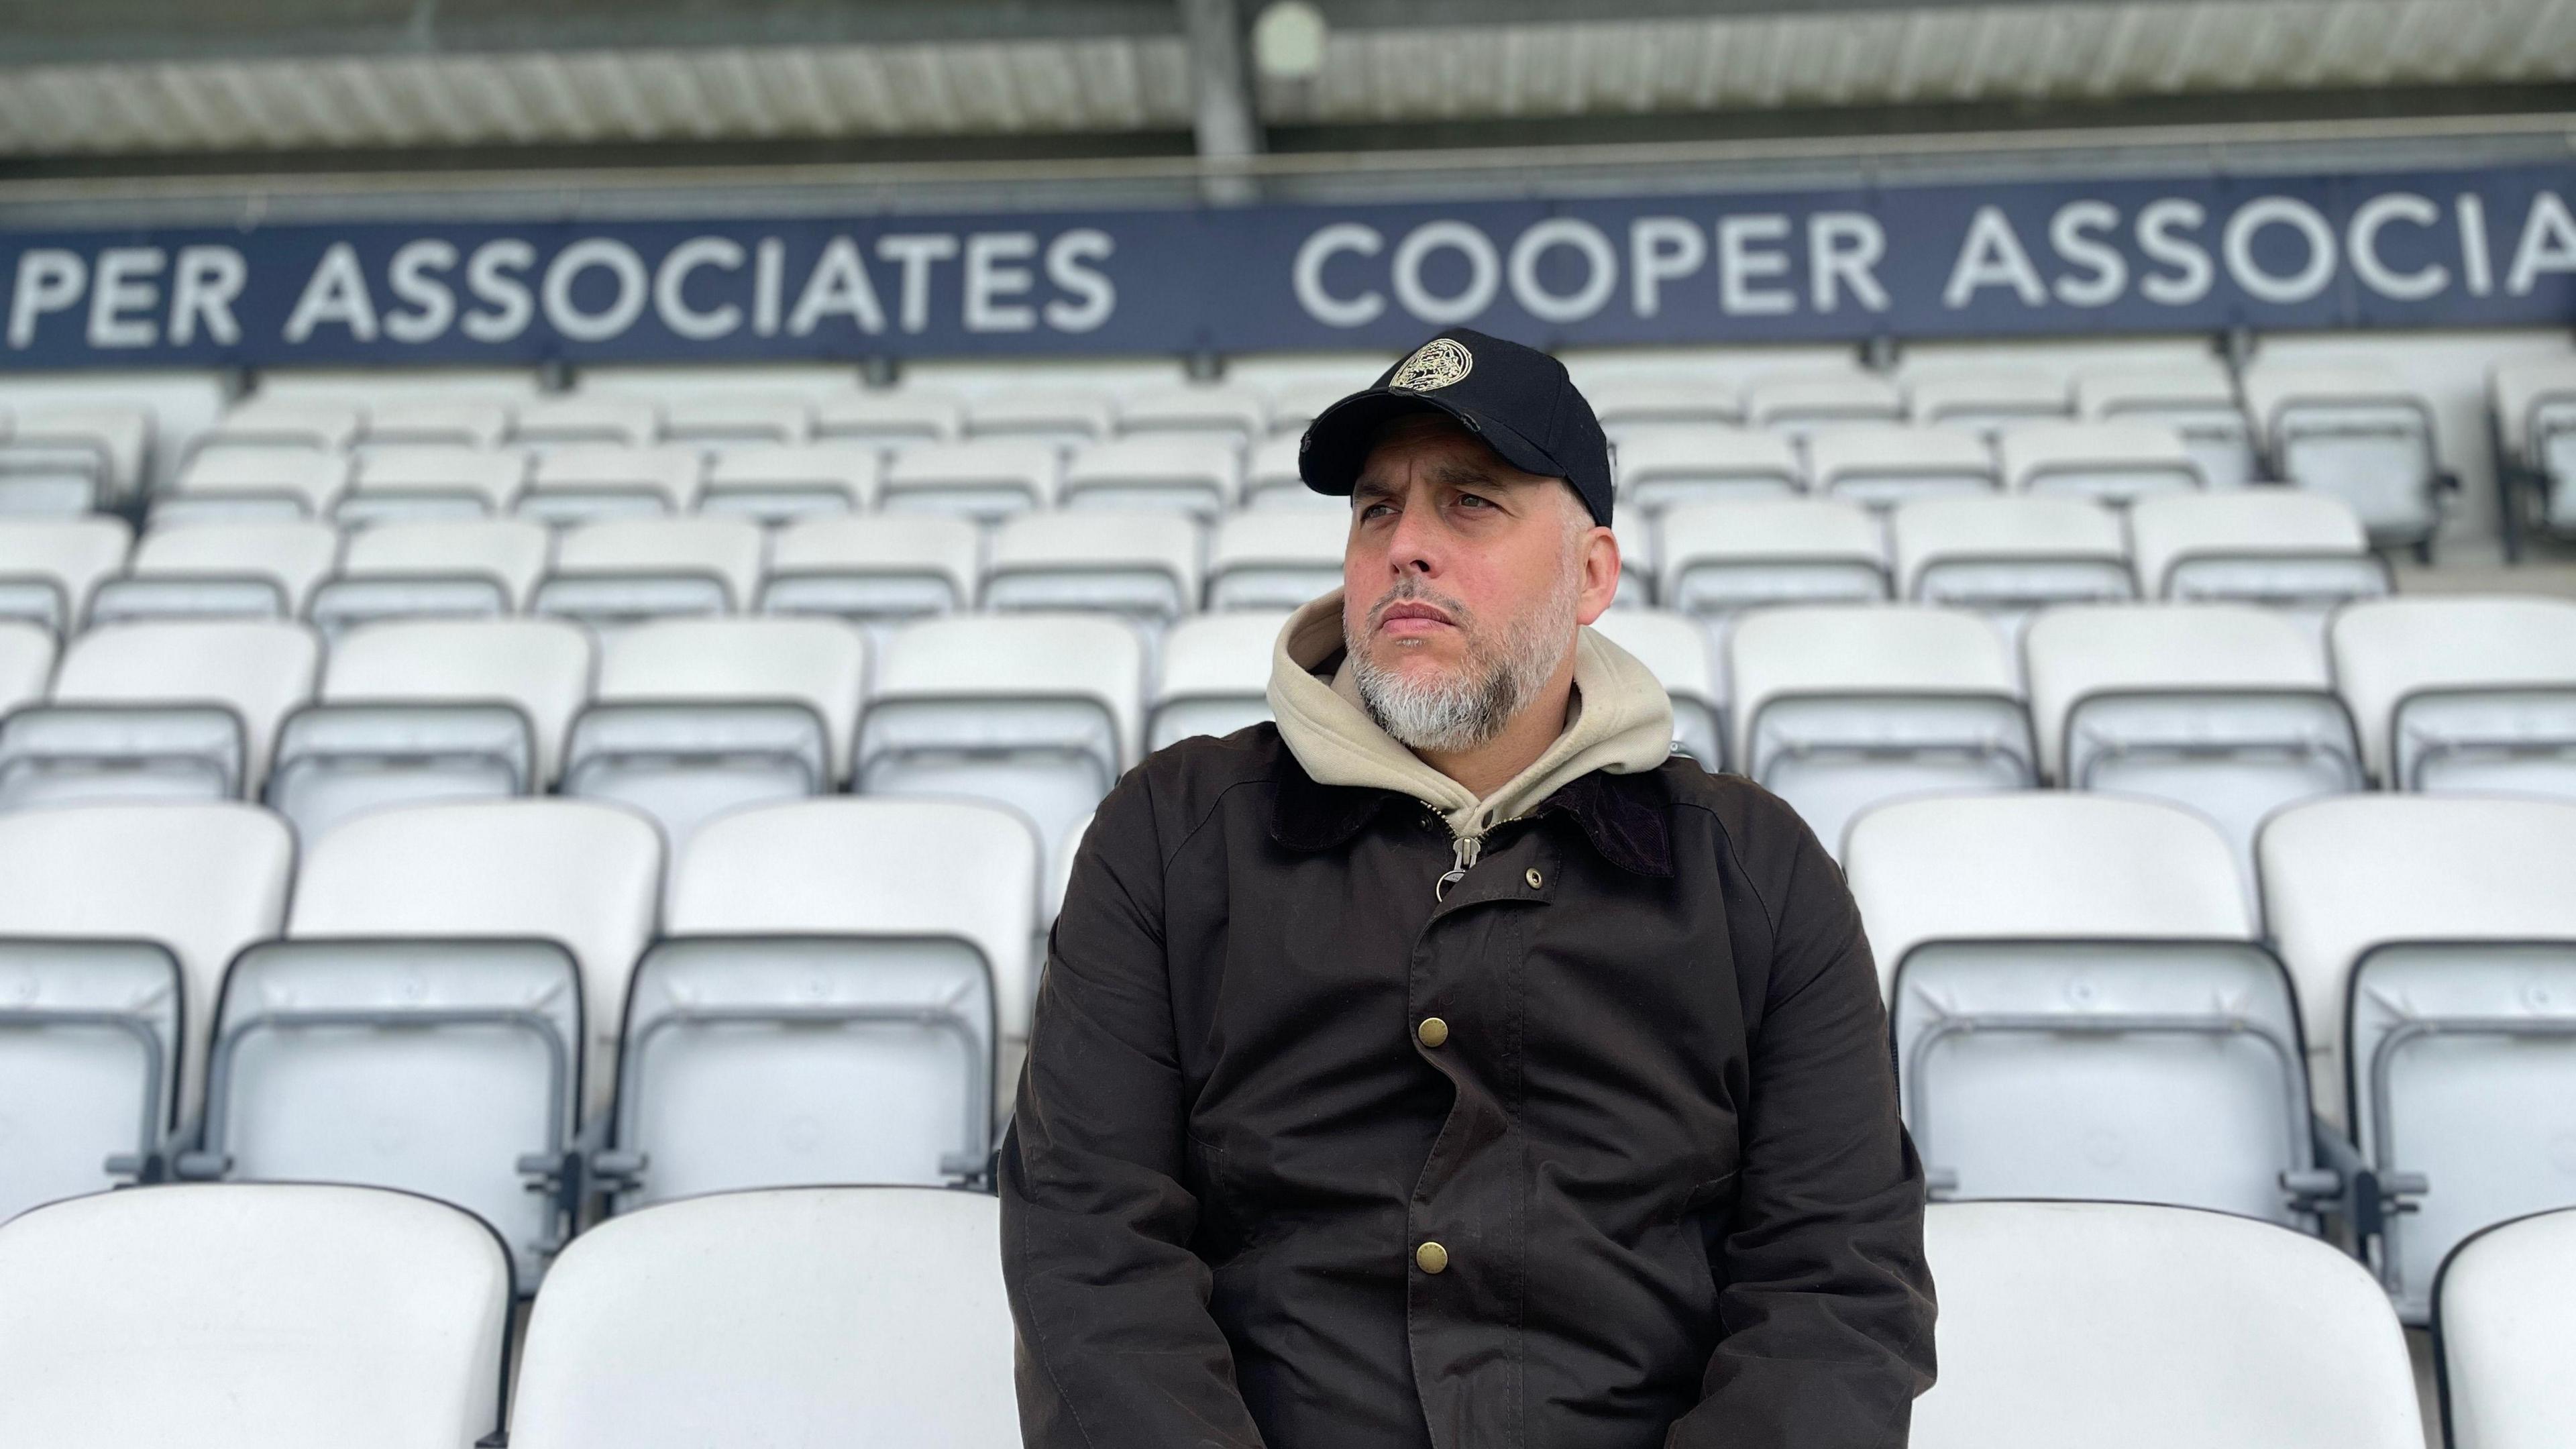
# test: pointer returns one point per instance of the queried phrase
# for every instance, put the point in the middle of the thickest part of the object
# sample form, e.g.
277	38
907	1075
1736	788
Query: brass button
1431	1258
1532	877
1432	1032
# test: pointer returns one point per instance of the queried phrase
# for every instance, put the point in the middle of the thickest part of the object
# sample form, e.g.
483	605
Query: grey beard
1450	713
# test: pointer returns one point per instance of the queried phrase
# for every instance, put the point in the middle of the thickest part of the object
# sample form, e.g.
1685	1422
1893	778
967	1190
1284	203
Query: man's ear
1597	562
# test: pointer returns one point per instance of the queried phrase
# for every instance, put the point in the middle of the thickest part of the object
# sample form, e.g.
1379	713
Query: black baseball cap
1517	399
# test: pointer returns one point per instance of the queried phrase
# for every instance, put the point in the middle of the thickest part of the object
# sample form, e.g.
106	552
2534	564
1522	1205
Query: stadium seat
2196	399
314	424
178	709
2462	692
219	571
48	566
732	419
888	419
1135	564
842	995
1633	407
874	568
694	717
1212	676
776	1318
432	481
1887	464
1637	536
1676	650
1987	402
1194	476
781	482
2080	1008
1051	417
1037	712
2125	1326
1837	708
2110	462
1799	403
2533	408
435	420
2440	934
582	483
586	420
431	709
1235	417
1295	405
1276	558
2224	709
1665	467
431	569
116	925
271	1317
624	570
981	480
1719	559
262	484
1271	481
451	975
2009	555
63	460
2356	432
26	663
2300	552
2504	1328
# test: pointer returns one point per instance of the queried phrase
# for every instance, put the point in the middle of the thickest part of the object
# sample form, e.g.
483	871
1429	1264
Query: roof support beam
1229	129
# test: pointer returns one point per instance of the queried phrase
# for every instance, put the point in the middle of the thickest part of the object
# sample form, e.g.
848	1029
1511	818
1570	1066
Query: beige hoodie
1619	720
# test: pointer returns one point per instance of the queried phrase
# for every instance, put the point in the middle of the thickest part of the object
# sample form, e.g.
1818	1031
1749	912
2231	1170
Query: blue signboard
2468	248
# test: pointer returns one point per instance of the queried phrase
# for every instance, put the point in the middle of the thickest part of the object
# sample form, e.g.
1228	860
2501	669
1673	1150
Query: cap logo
1442	362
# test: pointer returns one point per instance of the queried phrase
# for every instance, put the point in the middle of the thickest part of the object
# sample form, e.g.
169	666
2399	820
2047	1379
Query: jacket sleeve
1825	1298
1116	1347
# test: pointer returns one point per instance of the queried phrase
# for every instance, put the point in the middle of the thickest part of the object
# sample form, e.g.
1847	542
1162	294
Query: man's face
1463	581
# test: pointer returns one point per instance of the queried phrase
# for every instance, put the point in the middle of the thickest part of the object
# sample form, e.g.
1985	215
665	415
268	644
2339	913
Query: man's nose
1414	546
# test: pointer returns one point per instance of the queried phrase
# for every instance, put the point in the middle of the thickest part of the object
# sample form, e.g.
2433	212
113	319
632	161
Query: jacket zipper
1468	848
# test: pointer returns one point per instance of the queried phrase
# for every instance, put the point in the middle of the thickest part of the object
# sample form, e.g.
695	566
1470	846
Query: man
1445	1065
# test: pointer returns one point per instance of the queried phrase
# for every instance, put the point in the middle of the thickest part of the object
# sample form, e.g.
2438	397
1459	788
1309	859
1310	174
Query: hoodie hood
1619	721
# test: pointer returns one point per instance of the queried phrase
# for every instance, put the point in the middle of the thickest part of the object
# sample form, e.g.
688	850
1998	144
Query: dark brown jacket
1659	1143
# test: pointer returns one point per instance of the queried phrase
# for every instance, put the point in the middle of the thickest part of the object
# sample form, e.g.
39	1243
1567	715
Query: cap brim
1338	441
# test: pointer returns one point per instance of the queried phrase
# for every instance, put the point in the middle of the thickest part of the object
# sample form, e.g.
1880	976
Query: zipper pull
1468	848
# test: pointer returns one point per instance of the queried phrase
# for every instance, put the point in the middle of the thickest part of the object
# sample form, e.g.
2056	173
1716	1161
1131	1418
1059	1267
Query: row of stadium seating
473	998
359	1316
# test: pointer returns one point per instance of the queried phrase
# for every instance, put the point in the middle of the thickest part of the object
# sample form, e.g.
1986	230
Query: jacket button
1431	1258
1432	1032
1532	877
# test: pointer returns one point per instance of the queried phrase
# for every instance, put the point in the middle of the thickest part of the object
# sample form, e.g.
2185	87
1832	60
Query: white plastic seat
729	418
775	1318
433	568
694	717
981	480
1213	676
26	663
1054	417
414	710
2433	940
171	709
1636	534
1719	559
1799	403
1271	482
2109	462
881	567
2008	555
1235	417
1675	649
904	925
888	419
452	973
49	566
623	570
781	482
1294	405
116	925
1886	464
271	1317
1633	407
433	481
1276	558
1137	564
584	483
2224	709
2195	398
1038	712
255	484
62	460
321	425
1195	476
559	420
2125	1326
2080	1008
2357	432
2457	693
435	419
1670	466
1987	402
219	571
1839	707
2503	1330
2300	552
2533	403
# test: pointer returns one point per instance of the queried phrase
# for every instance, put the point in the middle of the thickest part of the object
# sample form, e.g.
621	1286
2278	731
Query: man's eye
1373	510
1470	500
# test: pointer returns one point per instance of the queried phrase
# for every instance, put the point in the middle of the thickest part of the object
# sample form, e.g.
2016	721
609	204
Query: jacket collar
1622	815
